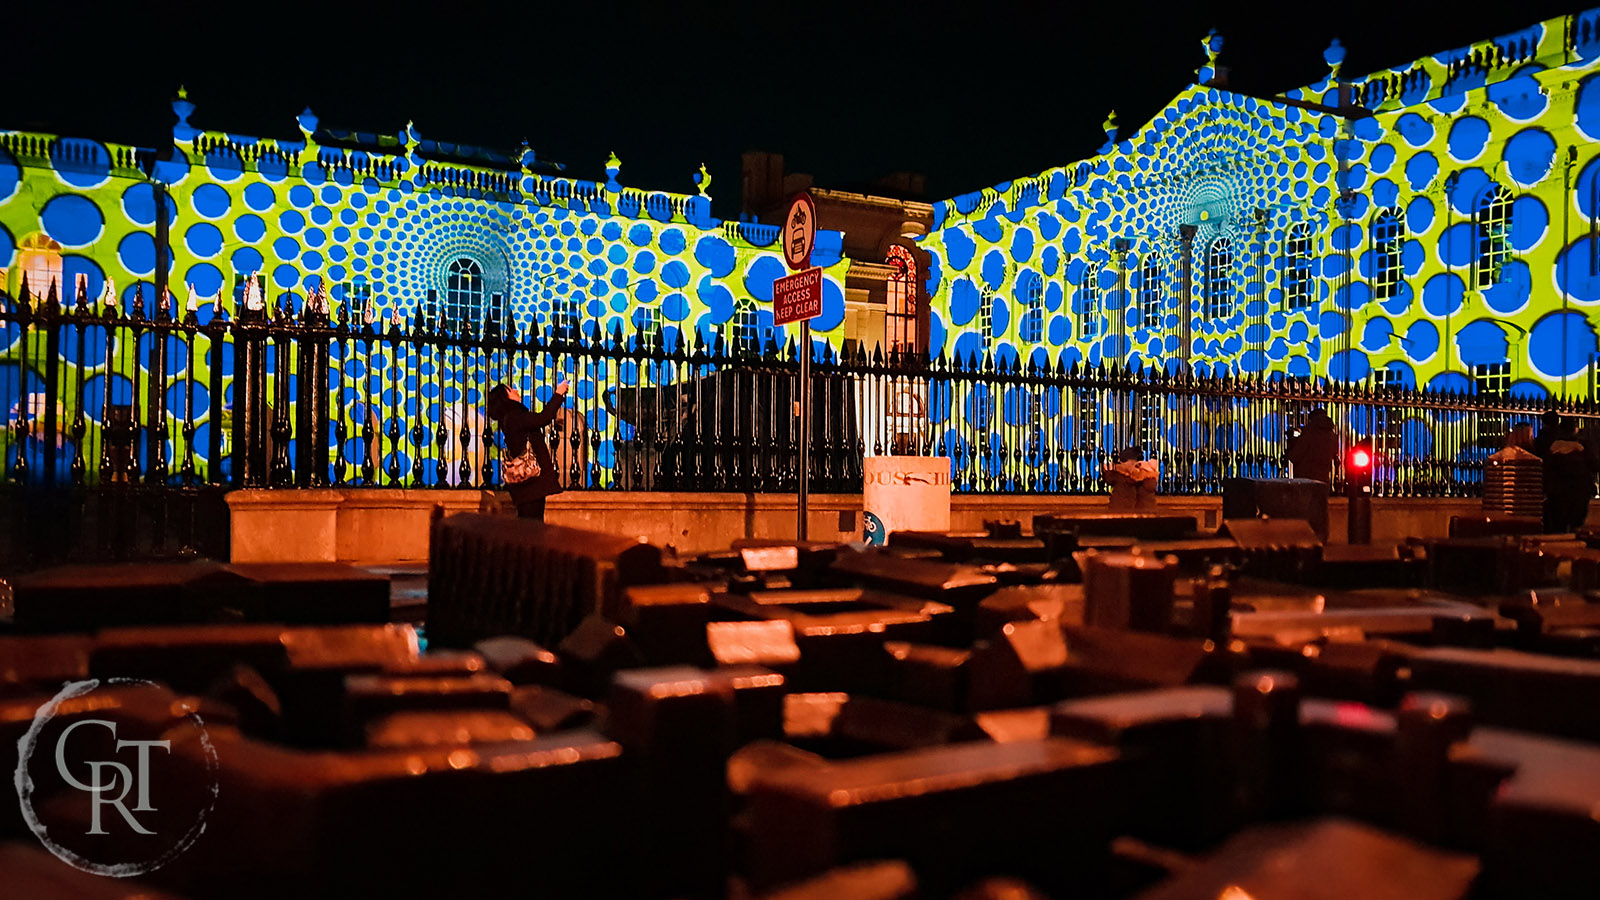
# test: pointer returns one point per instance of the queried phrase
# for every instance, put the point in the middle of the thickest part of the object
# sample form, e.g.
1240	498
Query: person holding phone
525	464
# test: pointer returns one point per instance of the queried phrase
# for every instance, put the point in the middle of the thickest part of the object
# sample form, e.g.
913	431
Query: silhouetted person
1549	432
1569	472
1133	480
1521	437
525	463
1313	450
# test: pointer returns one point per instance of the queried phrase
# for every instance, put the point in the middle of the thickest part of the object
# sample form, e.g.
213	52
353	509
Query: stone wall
386	527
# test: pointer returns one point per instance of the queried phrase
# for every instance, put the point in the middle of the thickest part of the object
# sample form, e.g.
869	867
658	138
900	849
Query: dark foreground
1114	706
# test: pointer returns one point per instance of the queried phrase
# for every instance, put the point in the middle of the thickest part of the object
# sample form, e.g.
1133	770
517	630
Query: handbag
523	467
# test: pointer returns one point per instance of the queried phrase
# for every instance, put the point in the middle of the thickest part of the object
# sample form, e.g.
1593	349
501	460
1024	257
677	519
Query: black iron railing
103	396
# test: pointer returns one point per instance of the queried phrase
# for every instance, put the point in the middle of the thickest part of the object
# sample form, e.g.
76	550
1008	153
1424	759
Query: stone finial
702	181
1211	71
1110	128
525	155
307	121
182	132
613	167
1334	57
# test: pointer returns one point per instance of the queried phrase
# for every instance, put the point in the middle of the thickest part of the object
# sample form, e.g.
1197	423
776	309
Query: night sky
967	94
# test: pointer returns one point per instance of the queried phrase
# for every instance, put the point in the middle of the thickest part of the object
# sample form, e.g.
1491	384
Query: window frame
1492	220
1388	269
1090	325
1030	327
900	309
464	297
1299	287
1219	272
1149	293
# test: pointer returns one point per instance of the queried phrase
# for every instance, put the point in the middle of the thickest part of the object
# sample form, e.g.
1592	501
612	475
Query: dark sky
968	94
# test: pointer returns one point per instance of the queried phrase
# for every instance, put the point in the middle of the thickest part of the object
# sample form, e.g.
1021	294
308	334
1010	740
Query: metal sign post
798	297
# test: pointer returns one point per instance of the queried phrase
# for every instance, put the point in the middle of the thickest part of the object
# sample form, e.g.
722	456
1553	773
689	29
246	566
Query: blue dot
291	221
203	240
1468	136
1588	108
204	278
675	274
285	276
1562	344
139	204
11	176
301	197
759	277
74	221
712	252
832	307
249	228
717	299
1529	155
137	253
211	201
311	260
286	248
247	260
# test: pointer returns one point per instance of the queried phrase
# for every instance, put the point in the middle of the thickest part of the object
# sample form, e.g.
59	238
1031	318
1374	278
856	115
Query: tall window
1219	279
1494	235
1492	379
357	296
1387	270
39	258
902	308
565	317
1298	289
1150	306
986	314
1089	306
1032	327
1594	228
463	294
646	326
746	326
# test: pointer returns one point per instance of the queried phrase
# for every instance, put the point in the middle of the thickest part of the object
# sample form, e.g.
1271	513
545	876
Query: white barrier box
905	493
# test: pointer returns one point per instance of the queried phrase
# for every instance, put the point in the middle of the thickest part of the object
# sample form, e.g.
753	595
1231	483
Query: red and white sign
799	232
796	297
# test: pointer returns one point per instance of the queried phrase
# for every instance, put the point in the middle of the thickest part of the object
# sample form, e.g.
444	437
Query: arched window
1219	279
901	313
1150	305
1032	326
1298	288
1089	305
39	258
1387	271
1494	235
463	295
746	326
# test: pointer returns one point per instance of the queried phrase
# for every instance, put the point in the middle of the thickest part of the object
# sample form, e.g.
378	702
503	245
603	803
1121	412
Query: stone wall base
380	527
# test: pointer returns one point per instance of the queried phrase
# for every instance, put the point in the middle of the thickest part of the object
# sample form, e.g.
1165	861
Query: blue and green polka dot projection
1431	152
561	248
1207	162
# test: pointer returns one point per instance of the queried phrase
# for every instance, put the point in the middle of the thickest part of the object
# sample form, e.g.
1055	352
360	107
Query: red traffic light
1360	458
